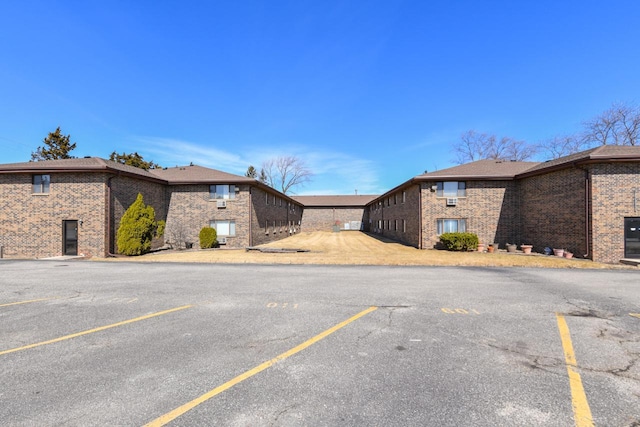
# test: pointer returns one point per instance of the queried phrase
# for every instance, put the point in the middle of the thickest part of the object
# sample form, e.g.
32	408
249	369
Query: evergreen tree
251	172
137	228
56	146
133	159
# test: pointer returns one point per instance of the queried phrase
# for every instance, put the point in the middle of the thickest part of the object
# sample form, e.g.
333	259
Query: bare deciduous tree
619	125
475	146
561	146
285	172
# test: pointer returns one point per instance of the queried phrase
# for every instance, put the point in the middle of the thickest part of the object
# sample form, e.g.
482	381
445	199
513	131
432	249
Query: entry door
632	237
70	237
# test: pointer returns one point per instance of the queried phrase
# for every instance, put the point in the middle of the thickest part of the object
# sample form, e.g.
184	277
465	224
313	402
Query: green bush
208	237
459	241
160	227
137	228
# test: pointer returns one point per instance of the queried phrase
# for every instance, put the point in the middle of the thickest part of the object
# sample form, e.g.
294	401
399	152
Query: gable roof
340	200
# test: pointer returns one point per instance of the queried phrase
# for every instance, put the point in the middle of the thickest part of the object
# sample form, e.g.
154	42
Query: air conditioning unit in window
222	204
222	240
452	202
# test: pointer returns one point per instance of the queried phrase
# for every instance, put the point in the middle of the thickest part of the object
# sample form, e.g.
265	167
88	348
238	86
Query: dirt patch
356	248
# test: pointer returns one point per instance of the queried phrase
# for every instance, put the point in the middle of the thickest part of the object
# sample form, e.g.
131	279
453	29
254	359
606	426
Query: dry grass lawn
356	248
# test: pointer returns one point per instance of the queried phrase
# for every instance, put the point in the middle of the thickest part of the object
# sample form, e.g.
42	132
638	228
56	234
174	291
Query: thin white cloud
333	172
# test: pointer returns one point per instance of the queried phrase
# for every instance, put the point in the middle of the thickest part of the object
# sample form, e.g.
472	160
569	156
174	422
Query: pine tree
251	172
133	159
56	146
137	228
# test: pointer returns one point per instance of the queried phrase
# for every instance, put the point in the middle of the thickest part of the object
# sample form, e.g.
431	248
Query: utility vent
452	202
222	204
222	240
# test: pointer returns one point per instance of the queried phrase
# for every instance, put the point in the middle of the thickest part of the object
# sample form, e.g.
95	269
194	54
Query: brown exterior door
632	237
70	237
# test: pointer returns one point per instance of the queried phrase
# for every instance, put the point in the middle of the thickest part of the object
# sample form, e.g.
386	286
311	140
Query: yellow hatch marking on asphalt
581	410
170	416
635	315
132	300
27	302
90	331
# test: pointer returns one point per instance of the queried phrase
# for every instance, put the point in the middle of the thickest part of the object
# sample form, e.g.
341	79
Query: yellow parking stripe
170	416
27	302
90	331
635	315
581	410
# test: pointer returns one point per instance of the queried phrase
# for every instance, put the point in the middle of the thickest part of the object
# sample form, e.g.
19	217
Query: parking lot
94	344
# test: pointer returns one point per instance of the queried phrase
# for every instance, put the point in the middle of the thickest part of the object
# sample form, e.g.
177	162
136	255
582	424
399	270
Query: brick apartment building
343	212
74	206
588	203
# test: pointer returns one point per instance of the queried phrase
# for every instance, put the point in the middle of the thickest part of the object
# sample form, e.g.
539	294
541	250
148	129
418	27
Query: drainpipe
587	192
109	240
251	216
420	211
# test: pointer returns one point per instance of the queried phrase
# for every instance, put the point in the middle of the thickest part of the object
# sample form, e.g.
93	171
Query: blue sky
367	93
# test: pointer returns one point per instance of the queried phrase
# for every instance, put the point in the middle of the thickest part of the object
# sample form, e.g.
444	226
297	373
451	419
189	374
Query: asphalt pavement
124	344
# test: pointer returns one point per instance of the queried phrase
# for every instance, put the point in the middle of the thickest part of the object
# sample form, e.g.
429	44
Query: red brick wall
190	209
392	211
490	208
553	211
272	219
31	224
124	191
323	219
612	190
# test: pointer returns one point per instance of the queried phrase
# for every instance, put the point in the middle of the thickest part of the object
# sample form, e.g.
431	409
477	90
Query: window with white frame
451	226
222	191
224	227
451	189
404	196
404	226
41	184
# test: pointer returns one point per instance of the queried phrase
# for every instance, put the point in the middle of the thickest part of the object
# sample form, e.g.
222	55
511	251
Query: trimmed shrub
137	228
459	241
160	227
208	237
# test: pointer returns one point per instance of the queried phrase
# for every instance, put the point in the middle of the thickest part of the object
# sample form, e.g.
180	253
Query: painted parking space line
635	315
170	416
91	331
581	411
27	302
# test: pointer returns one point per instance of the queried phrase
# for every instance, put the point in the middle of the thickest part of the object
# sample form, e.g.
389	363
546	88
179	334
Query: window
451	226
222	191
395	225
451	189
395	199
404	226
404	197
41	184
224	227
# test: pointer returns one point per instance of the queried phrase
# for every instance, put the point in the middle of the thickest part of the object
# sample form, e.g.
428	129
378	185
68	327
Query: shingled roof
340	201
606	153
480	169
85	164
198	175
